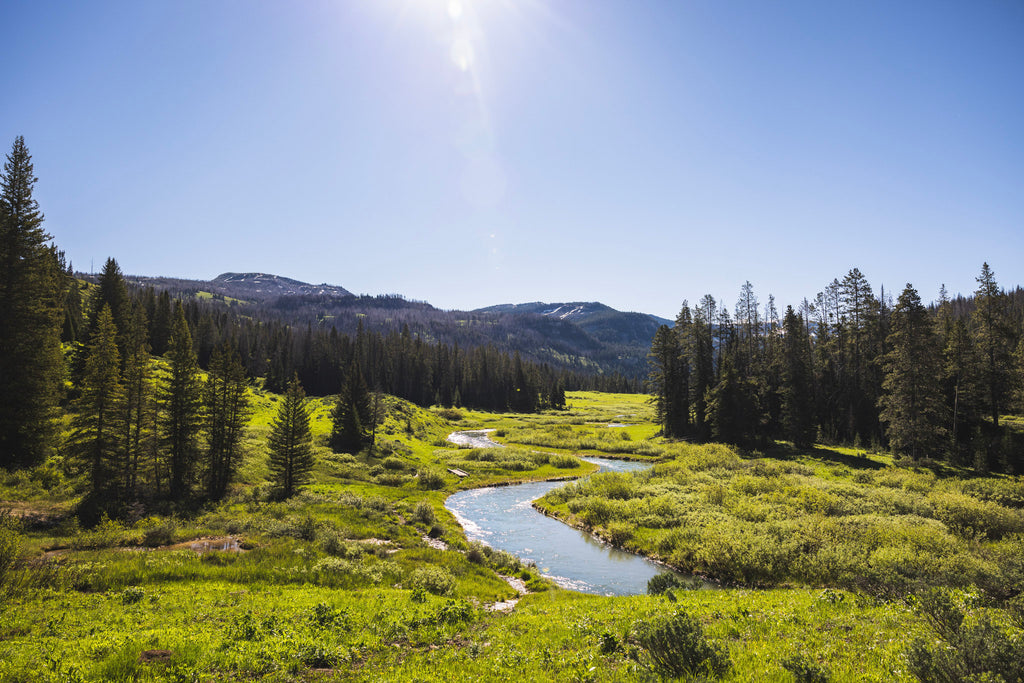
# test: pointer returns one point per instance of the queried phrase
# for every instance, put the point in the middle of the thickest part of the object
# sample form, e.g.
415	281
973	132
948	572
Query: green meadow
830	564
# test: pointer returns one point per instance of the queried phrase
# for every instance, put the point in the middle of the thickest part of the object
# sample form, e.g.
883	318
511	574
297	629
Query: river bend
503	518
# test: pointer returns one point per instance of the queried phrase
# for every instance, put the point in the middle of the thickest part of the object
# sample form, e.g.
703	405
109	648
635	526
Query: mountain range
581	336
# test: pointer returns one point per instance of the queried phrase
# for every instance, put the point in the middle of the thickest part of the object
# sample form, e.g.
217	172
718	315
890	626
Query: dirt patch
507	606
224	544
155	656
435	543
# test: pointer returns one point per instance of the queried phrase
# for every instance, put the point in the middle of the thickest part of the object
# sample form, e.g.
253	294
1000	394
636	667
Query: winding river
503	518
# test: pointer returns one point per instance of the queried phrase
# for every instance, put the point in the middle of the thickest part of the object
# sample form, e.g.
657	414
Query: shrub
660	583
336	546
565	462
391	479
450	414
436	580
619	533
979	644
805	670
423	513
393	464
160	533
10	546
132	595
431	480
305	529
476	553
971	517
106	534
677	647
324	616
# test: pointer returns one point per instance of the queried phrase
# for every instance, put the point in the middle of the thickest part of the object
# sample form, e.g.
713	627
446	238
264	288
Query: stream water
503	518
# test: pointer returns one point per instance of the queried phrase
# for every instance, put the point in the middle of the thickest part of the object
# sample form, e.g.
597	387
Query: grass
341	582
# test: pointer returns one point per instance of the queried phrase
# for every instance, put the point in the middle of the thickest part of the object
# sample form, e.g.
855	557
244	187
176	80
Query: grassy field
366	576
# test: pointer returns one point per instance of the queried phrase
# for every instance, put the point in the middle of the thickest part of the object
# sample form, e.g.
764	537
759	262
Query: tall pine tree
227	412
351	416
912	404
797	386
182	408
139	409
32	291
991	330
665	382
291	444
97	427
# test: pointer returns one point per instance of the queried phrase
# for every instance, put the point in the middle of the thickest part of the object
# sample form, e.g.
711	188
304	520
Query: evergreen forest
928	382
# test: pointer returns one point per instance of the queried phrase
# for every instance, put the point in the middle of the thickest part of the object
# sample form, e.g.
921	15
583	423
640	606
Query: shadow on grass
825	454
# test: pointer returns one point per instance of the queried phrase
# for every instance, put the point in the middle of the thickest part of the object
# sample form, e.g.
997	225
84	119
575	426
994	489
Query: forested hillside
596	340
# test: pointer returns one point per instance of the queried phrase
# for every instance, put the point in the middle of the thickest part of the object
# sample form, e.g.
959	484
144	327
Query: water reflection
503	518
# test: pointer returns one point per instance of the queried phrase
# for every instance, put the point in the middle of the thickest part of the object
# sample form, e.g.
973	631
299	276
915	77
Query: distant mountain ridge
603	322
250	287
582	336
266	285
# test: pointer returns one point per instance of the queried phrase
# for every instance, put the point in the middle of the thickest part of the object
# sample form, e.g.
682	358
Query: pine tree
912	405
702	365
182	408
139	417
97	427
160	324
32	290
111	291
227	412
748	323
962	374
664	382
351	415
992	333
291	447
1018	364
71	329
732	410
797	391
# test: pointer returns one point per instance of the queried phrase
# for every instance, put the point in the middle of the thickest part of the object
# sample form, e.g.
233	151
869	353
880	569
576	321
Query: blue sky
475	152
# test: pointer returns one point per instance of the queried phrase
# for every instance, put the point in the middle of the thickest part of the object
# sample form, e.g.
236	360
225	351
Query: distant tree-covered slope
586	337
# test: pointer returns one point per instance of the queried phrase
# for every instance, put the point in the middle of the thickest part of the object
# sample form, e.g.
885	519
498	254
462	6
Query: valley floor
341	582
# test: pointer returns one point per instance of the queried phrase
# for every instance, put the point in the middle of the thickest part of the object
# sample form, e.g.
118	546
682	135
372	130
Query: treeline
396	363
849	367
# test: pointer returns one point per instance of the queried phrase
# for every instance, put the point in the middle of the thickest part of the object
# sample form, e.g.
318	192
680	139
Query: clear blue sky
476	152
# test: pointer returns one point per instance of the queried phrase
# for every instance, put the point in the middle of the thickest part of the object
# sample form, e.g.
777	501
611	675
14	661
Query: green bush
806	670
976	644
423	513
660	583
10	546
619	533
159	533
477	553
391	479
564	462
436	580
431	480
325	616
677	647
